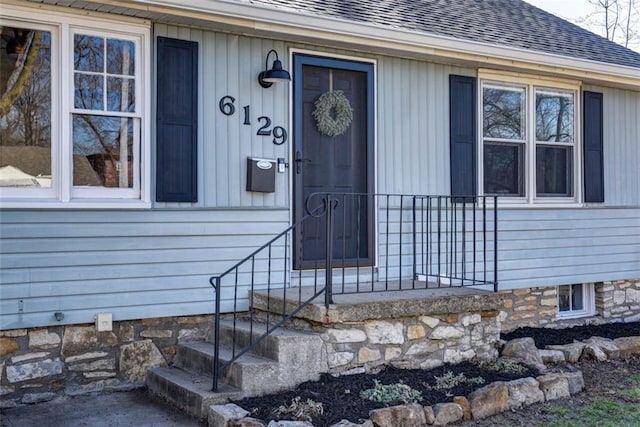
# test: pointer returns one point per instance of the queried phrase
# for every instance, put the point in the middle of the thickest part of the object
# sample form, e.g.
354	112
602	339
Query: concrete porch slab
396	300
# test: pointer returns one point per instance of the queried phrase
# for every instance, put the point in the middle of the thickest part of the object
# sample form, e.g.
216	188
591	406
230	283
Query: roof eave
292	25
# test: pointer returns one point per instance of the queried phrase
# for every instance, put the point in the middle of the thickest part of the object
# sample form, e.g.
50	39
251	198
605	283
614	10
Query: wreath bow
325	122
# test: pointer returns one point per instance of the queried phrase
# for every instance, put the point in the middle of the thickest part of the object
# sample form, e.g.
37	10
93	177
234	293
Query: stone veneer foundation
40	363
615	301
411	342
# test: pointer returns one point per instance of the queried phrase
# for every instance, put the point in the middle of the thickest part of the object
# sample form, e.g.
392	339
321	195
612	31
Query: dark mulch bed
340	395
547	336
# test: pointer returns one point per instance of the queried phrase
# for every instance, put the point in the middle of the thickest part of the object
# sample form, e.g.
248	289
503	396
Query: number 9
279	135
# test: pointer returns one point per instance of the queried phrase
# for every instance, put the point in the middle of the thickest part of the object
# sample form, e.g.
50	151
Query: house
429	97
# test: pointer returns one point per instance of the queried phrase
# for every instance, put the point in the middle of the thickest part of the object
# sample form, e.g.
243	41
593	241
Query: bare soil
340	396
604	381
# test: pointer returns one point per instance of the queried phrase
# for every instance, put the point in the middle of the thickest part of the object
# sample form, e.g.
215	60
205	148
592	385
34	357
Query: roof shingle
512	23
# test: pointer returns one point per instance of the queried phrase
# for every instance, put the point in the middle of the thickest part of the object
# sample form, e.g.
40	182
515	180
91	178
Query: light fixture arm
268	77
266	60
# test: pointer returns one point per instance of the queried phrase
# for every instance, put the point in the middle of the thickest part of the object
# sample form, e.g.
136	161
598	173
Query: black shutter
593	148
177	121
462	133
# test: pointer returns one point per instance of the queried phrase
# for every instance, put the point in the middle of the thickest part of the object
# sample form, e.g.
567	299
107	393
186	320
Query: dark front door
341	164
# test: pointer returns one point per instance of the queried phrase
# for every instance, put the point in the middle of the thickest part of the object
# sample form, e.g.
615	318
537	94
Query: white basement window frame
576	300
87	171
526	140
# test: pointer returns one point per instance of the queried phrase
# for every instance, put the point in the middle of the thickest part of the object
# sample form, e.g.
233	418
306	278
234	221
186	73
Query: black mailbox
261	175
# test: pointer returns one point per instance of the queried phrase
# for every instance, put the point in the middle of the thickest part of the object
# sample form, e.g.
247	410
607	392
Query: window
528	141
72	114
575	300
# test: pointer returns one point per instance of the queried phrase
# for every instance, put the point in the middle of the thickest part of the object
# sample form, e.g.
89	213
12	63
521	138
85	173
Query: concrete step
278	346
247	373
188	391
279	302
281	361
300	356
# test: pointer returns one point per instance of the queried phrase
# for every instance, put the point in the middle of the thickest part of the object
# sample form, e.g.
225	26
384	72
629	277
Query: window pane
88	93
554	117
88	53
120	94
554	171
577	301
25	108
503	169
503	113
120	57
564	298
102	151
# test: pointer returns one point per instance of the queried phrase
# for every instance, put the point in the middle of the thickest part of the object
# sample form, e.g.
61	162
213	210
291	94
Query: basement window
576	300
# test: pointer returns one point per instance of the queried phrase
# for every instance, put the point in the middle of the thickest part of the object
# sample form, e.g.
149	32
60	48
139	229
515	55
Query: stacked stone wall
411	342
615	301
534	307
38	364
618	300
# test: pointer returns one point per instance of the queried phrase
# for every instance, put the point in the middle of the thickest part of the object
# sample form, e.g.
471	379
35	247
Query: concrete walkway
130	408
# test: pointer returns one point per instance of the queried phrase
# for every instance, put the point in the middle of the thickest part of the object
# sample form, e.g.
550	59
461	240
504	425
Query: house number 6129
228	108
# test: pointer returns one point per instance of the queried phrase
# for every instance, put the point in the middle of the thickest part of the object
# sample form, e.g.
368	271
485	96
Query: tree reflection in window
554	138
25	107
104	70
503	113
554	117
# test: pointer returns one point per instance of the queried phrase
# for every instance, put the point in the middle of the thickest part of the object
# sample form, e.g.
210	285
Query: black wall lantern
268	77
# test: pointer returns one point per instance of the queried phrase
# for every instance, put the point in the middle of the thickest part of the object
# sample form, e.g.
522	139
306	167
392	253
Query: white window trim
588	295
62	24
493	78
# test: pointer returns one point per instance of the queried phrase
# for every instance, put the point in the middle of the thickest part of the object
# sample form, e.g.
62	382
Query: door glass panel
337	165
25	108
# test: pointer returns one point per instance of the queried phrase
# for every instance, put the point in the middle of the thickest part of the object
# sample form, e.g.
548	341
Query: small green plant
503	365
391	393
449	381
301	411
476	380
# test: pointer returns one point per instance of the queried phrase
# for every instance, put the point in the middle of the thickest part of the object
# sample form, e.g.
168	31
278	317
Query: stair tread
226	353
260	327
195	383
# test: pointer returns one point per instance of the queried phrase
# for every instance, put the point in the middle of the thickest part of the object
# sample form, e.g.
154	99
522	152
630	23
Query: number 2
264	129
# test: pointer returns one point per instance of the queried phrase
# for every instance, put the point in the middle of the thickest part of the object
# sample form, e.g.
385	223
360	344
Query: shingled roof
511	23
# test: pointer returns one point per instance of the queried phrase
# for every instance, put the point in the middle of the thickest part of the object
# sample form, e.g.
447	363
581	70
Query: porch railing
357	243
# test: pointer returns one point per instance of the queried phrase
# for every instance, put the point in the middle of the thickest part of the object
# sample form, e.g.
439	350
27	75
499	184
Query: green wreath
325	122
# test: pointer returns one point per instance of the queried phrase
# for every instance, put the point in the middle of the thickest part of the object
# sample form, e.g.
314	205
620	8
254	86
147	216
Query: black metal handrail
216	282
372	243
